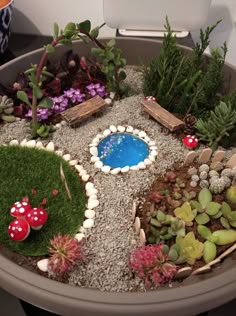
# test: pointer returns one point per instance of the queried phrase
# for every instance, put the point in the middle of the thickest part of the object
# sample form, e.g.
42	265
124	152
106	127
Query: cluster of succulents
7	109
215	177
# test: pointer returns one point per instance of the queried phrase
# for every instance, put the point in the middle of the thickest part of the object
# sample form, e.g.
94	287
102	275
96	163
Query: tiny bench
162	116
80	112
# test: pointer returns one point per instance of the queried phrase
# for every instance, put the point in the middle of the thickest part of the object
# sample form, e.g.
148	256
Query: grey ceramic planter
196	295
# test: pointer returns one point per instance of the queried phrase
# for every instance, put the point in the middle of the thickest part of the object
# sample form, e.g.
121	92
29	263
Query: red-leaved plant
65	253
152	265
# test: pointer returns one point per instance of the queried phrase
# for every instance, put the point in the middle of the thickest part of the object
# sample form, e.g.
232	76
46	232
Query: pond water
122	149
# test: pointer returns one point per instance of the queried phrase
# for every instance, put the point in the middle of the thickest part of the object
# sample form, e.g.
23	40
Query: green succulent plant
186	213
219	237
174	253
206	208
190	247
6	109
229	217
209	251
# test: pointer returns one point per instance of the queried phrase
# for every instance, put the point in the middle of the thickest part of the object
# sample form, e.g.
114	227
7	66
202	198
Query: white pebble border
98	164
90	190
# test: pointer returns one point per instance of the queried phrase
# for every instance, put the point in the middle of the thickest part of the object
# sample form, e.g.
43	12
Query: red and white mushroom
191	141
18	229
19	209
150	98
36	217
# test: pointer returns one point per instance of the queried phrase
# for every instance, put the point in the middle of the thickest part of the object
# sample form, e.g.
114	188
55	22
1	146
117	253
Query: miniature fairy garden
112	176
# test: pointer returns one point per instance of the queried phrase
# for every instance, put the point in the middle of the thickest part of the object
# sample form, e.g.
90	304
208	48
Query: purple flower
74	96
42	114
96	89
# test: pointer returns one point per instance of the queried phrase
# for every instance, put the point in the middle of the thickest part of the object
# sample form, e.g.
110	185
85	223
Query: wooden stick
65	183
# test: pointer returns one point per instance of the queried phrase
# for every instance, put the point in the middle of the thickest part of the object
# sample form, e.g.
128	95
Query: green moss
23	169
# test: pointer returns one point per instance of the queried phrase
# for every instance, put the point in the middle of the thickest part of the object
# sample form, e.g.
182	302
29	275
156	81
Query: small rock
154	153
43	265
64	123
147	161
153	147
231	163
93	151
147	139
142	165
190	157
93	197
125	169
106	169
112	95
83	173
121	129
14	142
92	204
23	142
98	164
89	213
85	177
73	162
115	171
113	128
79	168
134	168
50	146
205	155
31	143
142	237
99	136
129	129
142	134
192	171
107	132
94	159
152	143
136	131
59	153
218	156
88	223
39	145
89	186
108	101
58	125
183	273
82	229
137	225
79	236
67	157
152	158
91	192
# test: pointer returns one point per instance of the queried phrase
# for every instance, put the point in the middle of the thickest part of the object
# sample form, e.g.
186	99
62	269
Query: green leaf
55	31
21	95
213	208
196	206
47	73
95	32
225	209
160	216
202	219
37	92
84	26
204	197
43	131
155	223
69	29
123	62
45	103
109	55
224	223
218	215
111	43
209	251
49	48
97	52
173	254
122	75
65	41
232	216
204	232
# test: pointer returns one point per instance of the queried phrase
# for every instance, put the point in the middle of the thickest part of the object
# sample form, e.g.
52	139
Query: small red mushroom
191	141
150	98
36	217
19	209
18	229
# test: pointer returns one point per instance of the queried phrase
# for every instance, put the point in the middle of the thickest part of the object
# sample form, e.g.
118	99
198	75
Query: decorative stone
107	132
183	273
64	123
205	155
99	136
95	144
153	147
59	153
154	153
43	265
67	157
92	204
95	140
125	169
91	192
58	125
23	142
129	129
142	134
14	142
108	101
93	197
120	128
190	157
133	211
147	139
106	169
231	163
78	168
147	161
112	95
136	131
218	156
98	164
137	225
93	151
115	171
94	159
152	158
134	168
31	143
88	223
50	146
83	173
73	162
152	143
142	237
89	186
82	229
141	165
113	128
39	145
89	213
85	177
79	236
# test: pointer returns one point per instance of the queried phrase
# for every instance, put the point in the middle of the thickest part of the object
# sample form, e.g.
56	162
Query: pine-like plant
220	122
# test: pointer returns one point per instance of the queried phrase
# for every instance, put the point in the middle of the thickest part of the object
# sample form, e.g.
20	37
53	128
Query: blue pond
121	150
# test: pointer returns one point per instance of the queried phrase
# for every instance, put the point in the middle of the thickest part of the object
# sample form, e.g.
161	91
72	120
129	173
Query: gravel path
112	237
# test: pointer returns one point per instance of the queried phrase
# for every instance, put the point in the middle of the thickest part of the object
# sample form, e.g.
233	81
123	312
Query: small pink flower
54	192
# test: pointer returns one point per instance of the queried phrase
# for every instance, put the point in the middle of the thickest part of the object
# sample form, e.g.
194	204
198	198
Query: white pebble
92	204
14	142
79	236
58	125
153	147
93	144
82	173
120	128
43	265
67	157
147	139
99	136
23	142
96	140
39	145
147	161
50	146
108	101
93	151
125	169
107	132
89	186
73	162
152	143
94	159
31	143
115	171
142	134
89	213
79	168
98	164
91	192
63	123
152	158
135	168
112	95
129	129
136	131
88	223
82	230
93	197
113	128
85	177
106	169
141	165
154	153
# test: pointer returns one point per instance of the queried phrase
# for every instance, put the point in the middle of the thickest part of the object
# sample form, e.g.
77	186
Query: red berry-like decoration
18	229
191	141
36	217
19	209
150	98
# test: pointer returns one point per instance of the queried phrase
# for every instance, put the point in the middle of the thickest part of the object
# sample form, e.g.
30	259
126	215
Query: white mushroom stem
36	227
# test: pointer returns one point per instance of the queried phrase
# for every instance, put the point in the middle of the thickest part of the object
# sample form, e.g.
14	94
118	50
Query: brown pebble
205	155
190	157
218	156
142	237
183	273
137	225
231	163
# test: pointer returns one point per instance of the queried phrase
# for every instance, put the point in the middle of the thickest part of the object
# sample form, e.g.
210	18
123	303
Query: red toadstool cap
36	217
191	141
19	209
18	229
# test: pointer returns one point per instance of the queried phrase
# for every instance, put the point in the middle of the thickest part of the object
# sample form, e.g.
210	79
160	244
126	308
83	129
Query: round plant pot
195	295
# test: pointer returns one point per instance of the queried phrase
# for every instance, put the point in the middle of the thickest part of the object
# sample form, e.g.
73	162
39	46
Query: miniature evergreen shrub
36	174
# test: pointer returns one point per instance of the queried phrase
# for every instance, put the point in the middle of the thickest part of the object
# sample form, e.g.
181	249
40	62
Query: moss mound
23	169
